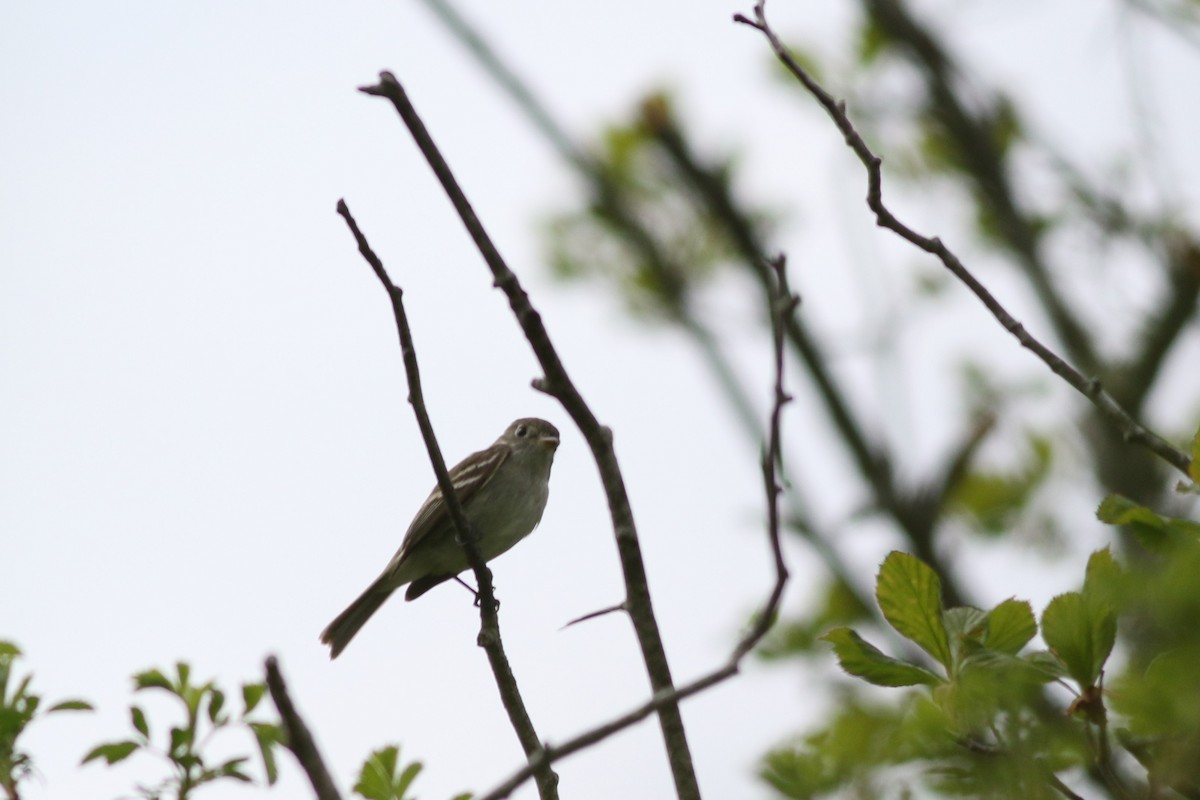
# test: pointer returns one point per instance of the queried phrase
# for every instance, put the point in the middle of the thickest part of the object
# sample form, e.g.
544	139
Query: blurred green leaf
152	679
216	700
871	41
1156	533
992	501
841	606
252	693
910	596
267	736
112	752
71	705
139	721
381	778
862	659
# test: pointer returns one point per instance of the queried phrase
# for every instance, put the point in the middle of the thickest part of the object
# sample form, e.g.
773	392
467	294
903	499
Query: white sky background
206	449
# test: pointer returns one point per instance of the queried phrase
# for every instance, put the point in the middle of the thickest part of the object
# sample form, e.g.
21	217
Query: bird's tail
339	632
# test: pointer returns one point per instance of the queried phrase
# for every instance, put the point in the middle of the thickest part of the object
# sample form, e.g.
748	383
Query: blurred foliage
18	708
382	776
980	724
182	747
993	501
648	230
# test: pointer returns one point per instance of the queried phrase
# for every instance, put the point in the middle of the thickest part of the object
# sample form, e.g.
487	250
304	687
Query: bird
503	491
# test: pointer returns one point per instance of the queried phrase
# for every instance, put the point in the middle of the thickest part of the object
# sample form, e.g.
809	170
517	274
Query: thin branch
596	614
609	204
1090	388
599	438
973	134
914	511
489	632
783	305
299	739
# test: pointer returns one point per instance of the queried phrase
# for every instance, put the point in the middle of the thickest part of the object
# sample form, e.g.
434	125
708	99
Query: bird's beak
549	441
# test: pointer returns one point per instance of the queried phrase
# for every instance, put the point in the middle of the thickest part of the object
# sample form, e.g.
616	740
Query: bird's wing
468	476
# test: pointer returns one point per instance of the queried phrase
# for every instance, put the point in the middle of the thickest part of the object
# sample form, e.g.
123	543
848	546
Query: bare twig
783	305
1090	388
299	740
599	438
597	614
489	632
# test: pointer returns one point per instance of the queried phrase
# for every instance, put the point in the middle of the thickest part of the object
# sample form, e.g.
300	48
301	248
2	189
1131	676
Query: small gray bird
503	491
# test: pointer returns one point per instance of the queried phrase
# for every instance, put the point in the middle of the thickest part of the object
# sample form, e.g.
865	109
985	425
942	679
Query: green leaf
71	705
184	671
9	650
112	752
216	700
407	777
1156	533
1045	664
1102	584
152	679
139	721
251	694
910	596
1081	636
862	659
1011	625
965	629
267	736
378	779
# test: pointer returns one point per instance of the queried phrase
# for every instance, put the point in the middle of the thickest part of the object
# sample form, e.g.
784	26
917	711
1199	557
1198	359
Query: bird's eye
521	431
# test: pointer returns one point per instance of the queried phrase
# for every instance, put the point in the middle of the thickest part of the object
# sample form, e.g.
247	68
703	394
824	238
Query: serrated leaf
1011	625
138	717
111	752
71	705
252	693
862	659
909	594
1081	637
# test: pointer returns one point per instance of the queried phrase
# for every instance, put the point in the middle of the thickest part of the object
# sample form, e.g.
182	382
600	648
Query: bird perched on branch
503	492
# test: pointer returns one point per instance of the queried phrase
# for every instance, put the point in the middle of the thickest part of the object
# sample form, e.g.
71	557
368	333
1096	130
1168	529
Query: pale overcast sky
206	447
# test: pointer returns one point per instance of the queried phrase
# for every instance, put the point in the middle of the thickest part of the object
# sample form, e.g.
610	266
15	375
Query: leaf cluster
18	708
182	746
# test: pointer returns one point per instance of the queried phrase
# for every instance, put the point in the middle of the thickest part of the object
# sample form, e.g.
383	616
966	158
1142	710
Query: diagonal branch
977	145
489	632
299	739
1091	388
558	384
783	305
